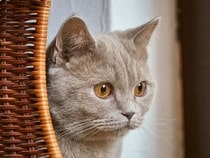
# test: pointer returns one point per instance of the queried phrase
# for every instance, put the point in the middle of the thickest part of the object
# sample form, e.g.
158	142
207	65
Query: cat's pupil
103	89
140	87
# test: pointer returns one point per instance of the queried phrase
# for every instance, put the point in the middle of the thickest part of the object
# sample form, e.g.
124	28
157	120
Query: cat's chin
109	135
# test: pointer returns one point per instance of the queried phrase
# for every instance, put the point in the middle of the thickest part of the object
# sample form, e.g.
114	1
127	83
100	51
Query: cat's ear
142	34
73	38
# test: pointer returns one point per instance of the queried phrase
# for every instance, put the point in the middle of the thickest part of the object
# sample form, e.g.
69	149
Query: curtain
194	35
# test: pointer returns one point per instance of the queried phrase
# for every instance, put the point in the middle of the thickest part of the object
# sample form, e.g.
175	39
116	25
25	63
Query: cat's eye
140	89
103	90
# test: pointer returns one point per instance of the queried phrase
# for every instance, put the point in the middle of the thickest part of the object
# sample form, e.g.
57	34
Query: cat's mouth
125	126
116	132
132	125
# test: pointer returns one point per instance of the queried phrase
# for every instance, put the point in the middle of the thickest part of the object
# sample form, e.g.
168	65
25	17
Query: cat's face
99	86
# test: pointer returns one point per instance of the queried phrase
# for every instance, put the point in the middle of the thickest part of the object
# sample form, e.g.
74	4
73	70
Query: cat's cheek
94	106
136	121
145	100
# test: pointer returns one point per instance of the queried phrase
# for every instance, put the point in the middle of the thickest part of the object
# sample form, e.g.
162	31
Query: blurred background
178	124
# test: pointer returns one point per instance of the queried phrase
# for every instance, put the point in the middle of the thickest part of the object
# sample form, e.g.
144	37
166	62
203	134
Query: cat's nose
129	115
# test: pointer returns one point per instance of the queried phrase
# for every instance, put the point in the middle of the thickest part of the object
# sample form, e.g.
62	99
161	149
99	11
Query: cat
99	87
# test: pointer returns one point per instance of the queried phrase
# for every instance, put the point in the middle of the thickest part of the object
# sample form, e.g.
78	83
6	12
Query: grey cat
99	87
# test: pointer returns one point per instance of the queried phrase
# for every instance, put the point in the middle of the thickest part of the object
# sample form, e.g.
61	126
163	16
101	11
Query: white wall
160	136
94	12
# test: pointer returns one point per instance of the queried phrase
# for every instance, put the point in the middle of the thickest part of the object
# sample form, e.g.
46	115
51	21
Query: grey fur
87	126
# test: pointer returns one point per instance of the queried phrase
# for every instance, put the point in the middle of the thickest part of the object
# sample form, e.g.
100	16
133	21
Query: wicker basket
25	124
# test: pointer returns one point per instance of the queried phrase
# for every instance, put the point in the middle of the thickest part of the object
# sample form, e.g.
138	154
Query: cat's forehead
120	56
117	48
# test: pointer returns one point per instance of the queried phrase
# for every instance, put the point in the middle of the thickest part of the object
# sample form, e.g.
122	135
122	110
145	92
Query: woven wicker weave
25	125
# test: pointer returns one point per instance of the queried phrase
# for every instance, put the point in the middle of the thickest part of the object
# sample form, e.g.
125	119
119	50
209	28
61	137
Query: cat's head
99	85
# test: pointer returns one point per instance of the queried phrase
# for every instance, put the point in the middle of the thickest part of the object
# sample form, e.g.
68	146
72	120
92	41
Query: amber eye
140	89
103	90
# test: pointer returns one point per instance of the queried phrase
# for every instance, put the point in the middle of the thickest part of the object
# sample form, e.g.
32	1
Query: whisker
145	139
93	133
74	128
82	133
172	146
171	134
